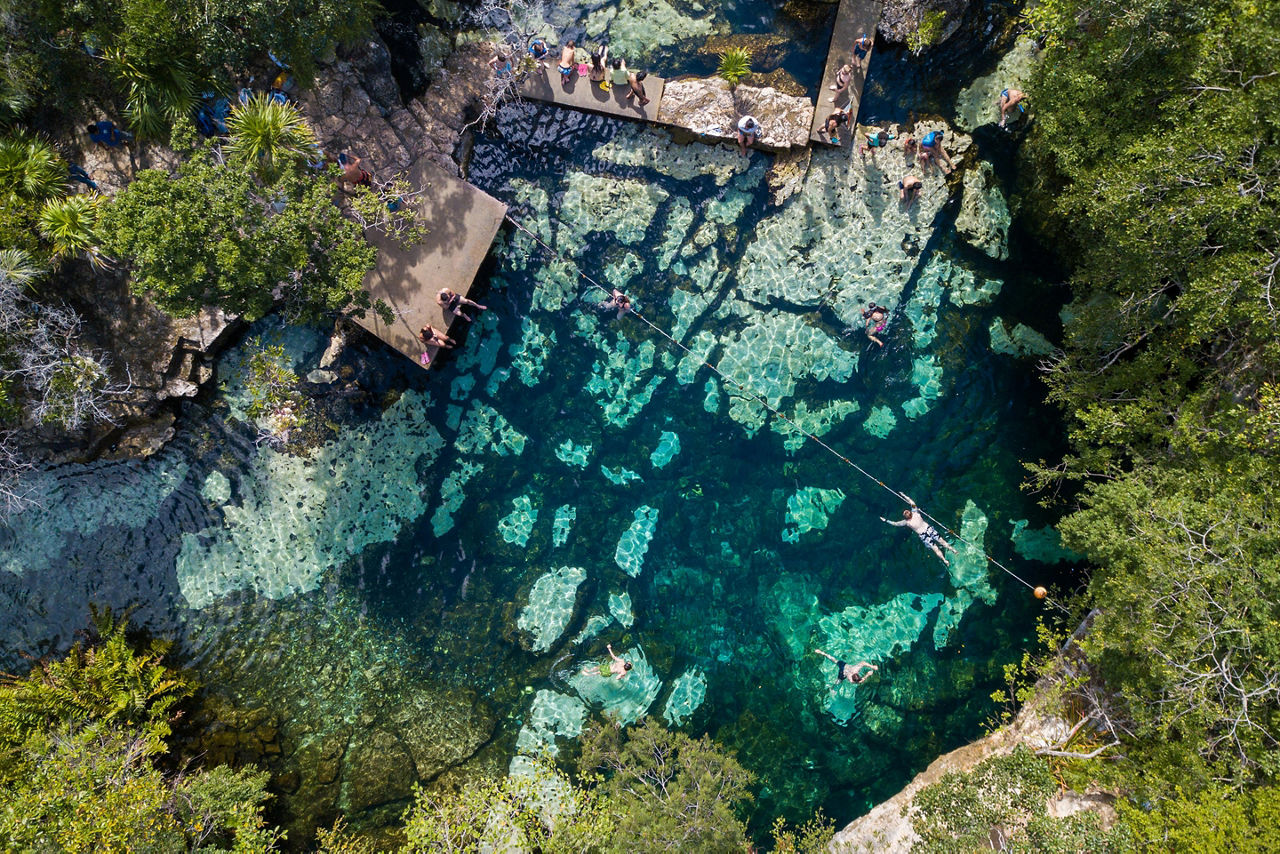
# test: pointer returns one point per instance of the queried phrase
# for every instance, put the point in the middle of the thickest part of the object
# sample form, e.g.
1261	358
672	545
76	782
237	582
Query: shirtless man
617	300
912	519
909	190
568	62
860	49
617	667
851	672
1009	99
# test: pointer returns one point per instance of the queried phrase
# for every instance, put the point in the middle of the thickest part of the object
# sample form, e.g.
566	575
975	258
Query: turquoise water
412	589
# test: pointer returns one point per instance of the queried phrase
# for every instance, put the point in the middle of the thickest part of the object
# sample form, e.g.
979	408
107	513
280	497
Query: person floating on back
912	518
617	300
748	133
1010	98
851	672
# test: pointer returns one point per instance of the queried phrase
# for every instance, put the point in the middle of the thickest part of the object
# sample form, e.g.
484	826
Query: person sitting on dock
568	61
1010	98
619	76
909	190
599	65
931	147
843	76
875	316
433	337
832	127
616	667
912	518
636	81
860	49
852	672
617	300
454	303
748	133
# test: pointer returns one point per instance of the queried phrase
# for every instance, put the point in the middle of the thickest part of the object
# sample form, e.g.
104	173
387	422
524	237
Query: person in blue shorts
1010	98
861	48
931	147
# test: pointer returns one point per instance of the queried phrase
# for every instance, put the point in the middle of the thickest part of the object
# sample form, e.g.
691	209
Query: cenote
413	587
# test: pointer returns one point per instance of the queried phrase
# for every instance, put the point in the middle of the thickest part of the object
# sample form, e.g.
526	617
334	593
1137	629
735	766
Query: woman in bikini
599	65
454	303
875	316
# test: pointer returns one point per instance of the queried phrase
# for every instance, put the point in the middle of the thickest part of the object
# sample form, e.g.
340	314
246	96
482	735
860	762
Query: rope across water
745	392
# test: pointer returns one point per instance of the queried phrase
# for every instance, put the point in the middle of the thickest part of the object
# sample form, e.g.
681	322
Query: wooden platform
853	18
544	84
461	221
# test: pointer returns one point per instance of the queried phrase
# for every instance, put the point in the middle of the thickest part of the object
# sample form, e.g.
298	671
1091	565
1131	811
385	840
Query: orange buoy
1041	592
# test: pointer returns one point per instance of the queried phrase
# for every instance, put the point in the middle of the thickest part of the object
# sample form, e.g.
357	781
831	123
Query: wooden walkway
461	222
853	18
544	84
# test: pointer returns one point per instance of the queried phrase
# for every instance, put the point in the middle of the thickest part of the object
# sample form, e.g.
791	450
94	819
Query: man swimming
913	519
852	672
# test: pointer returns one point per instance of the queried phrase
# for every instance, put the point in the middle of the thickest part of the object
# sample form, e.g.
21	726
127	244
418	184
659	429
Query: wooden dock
853	18
544	84
461	222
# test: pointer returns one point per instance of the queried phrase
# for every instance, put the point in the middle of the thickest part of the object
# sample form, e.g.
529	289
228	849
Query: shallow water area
424	583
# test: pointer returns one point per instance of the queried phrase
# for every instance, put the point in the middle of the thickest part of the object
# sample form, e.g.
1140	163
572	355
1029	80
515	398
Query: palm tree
71	224
158	96
735	63
31	169
266	132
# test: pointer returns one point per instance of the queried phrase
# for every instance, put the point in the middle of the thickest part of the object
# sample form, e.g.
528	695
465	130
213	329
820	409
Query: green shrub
927	32
735	63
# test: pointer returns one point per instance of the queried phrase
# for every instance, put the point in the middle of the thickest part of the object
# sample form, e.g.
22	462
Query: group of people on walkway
596	65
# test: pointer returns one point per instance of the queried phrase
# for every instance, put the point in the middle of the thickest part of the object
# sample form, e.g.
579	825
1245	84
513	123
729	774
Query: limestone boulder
785	119
901	17
977	104
983	220
703	104
378	770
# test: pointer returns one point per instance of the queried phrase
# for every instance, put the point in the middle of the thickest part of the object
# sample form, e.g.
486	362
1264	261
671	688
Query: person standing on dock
748	133
861	48
852	672
832	127
843	76
912	518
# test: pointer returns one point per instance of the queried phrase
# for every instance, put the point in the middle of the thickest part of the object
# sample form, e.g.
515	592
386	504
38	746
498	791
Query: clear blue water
326	587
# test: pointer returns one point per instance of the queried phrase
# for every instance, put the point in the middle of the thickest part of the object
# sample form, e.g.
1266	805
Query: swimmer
617	300
1010	98
875	316
912	518
617	666
851	672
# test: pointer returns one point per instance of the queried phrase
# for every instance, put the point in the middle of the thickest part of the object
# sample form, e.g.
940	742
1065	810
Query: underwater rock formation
984	218
1022	340
550	606
900	18
636	27
977	104
687	693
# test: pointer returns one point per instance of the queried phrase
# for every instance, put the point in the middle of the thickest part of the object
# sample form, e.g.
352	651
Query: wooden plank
853	18
461	222
544	84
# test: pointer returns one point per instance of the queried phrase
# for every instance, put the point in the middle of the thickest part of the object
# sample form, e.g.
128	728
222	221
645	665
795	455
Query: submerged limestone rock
634	542
809	510
550	606
624	700
687	693
977	104
1042	544
984	217
1022	340
636	27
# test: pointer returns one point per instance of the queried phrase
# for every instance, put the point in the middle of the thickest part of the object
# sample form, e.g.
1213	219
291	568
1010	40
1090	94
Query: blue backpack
930	139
